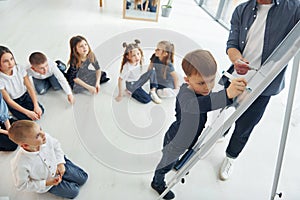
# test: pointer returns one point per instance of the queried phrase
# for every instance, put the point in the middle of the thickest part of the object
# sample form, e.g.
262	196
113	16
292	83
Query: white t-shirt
131	72
52	70
14	84
255	40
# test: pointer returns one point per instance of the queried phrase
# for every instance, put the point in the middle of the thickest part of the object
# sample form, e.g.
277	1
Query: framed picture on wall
141	9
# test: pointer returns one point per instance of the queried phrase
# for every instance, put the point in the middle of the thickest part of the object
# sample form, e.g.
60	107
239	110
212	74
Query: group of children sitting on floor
40	164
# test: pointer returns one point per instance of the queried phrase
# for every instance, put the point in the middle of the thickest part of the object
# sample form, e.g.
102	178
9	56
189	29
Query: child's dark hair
74	56
128	49
37	58
199	62
4	50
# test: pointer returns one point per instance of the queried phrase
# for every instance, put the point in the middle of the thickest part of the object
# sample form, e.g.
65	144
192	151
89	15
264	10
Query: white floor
119	144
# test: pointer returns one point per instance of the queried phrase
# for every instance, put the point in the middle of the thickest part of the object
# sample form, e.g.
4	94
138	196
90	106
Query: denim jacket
3	109
282	17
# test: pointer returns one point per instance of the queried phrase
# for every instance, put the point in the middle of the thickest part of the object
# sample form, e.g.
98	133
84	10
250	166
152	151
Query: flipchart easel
276	62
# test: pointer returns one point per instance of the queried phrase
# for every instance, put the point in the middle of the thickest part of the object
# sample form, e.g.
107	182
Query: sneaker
226	168
161	189
154	97
43	91
61	66
160	93
221	139
104	80
169	93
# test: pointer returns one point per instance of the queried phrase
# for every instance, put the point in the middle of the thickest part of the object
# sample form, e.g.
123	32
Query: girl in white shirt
17	89
131	73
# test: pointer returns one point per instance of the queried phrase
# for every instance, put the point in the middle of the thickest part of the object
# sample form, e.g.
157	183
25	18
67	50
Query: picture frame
141	9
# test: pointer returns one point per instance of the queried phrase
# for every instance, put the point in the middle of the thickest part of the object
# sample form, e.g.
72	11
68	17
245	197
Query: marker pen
249	67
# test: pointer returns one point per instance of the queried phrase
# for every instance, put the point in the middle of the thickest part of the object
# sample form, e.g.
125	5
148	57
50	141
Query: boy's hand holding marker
236	87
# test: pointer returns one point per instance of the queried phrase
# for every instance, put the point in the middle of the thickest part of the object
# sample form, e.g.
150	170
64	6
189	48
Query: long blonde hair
128	49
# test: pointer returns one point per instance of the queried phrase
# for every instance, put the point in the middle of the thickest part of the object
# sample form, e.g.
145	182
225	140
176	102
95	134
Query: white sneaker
154	97
160	93
221	139
169	93
226	168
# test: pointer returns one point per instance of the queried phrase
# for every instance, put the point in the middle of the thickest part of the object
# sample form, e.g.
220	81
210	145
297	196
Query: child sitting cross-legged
46	74
40	164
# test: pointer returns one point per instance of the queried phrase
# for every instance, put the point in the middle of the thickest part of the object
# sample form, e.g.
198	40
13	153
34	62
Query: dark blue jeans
135	87
73	178
166	164
244	126
161	171
151	7
43	85
26	102
5	143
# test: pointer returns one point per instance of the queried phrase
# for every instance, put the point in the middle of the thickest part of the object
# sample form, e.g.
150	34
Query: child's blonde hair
19	130
128	49
199	62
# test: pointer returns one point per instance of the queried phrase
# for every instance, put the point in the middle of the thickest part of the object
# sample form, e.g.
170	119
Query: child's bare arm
175	78
236	87
33	97
31	114
90	88
71	99
150	67
98	77
120	86
7	126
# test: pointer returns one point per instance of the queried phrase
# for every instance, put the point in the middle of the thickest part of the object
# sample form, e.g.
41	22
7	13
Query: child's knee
56	88
72	191
84	177
144	99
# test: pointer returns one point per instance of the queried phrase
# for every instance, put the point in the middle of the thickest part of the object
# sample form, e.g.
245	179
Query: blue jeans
43	85
135	87
26	102
73	178
151	7
244	126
